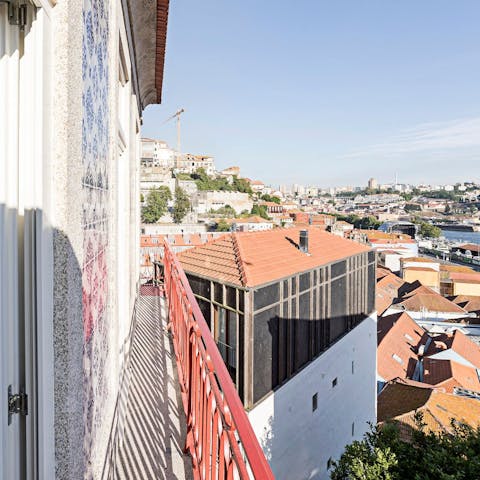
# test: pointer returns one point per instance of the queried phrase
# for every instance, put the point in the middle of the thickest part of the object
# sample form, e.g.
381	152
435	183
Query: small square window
334	382
314	402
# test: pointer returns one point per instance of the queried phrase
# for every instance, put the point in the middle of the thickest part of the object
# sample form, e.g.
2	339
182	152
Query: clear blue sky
326	92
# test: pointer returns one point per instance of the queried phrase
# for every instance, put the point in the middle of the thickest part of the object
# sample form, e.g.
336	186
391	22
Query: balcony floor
154	428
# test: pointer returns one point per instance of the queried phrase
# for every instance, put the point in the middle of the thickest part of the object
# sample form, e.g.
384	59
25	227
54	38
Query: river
466	237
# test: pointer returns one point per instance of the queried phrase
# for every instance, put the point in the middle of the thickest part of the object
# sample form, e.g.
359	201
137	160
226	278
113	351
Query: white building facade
322	419
157	153
189	163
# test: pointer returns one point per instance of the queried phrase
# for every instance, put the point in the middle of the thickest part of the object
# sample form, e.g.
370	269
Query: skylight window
397	358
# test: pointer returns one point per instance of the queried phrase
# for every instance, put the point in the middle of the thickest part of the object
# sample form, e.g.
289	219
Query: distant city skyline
325	95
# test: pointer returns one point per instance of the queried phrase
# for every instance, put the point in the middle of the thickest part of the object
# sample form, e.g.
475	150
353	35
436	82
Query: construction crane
177	116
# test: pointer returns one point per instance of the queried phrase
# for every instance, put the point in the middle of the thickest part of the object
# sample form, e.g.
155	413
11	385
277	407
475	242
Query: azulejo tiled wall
95	154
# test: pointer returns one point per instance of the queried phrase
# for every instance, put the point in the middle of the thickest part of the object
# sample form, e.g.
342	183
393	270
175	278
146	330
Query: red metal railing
220	439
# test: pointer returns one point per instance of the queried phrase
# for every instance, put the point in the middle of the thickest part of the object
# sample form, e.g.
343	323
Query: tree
181	206
384	455
206	182
365	223
368	223
241	185
271	198
227	211
429	230
156	204
260	210
223	226
413	207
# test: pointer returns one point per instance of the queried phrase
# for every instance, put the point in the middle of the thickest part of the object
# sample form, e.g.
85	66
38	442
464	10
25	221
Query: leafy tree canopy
441	194
227	211
365	223
384	455
271	198
427	229
181	206
206	182
223	226
412	207
156	204
260	210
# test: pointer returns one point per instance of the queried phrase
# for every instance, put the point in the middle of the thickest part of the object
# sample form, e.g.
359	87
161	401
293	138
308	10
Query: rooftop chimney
304	241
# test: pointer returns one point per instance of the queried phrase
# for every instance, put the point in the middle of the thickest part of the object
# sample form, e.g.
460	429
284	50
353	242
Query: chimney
304	241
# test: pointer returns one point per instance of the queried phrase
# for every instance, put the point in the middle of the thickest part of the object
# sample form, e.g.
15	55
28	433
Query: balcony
182	417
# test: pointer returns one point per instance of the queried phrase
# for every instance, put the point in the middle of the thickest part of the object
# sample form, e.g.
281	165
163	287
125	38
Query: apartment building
292	312
157	153
189	163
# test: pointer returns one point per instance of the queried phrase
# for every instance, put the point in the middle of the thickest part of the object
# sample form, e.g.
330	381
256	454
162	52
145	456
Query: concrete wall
207	200
392	261
429	278
463	288
297	441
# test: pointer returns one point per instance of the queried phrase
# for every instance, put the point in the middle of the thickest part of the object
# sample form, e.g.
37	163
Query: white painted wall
204	201
444	326
297	441
450	354
427	316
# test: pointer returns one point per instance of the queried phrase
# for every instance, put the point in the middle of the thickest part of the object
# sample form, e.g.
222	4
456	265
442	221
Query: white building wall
447	327
207	200
299	442
411	247
427	316
392	261
254	227
450	354
432	265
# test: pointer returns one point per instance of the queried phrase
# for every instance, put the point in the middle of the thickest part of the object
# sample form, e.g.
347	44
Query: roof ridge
238	259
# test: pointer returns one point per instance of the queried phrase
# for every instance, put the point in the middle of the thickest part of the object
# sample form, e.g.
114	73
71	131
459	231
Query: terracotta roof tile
388	286
473	277
423	298
418	260
470	303
449	374
195	239
420	269
261	257
471	246
465	347
399	402
459	343
456	268
398	338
